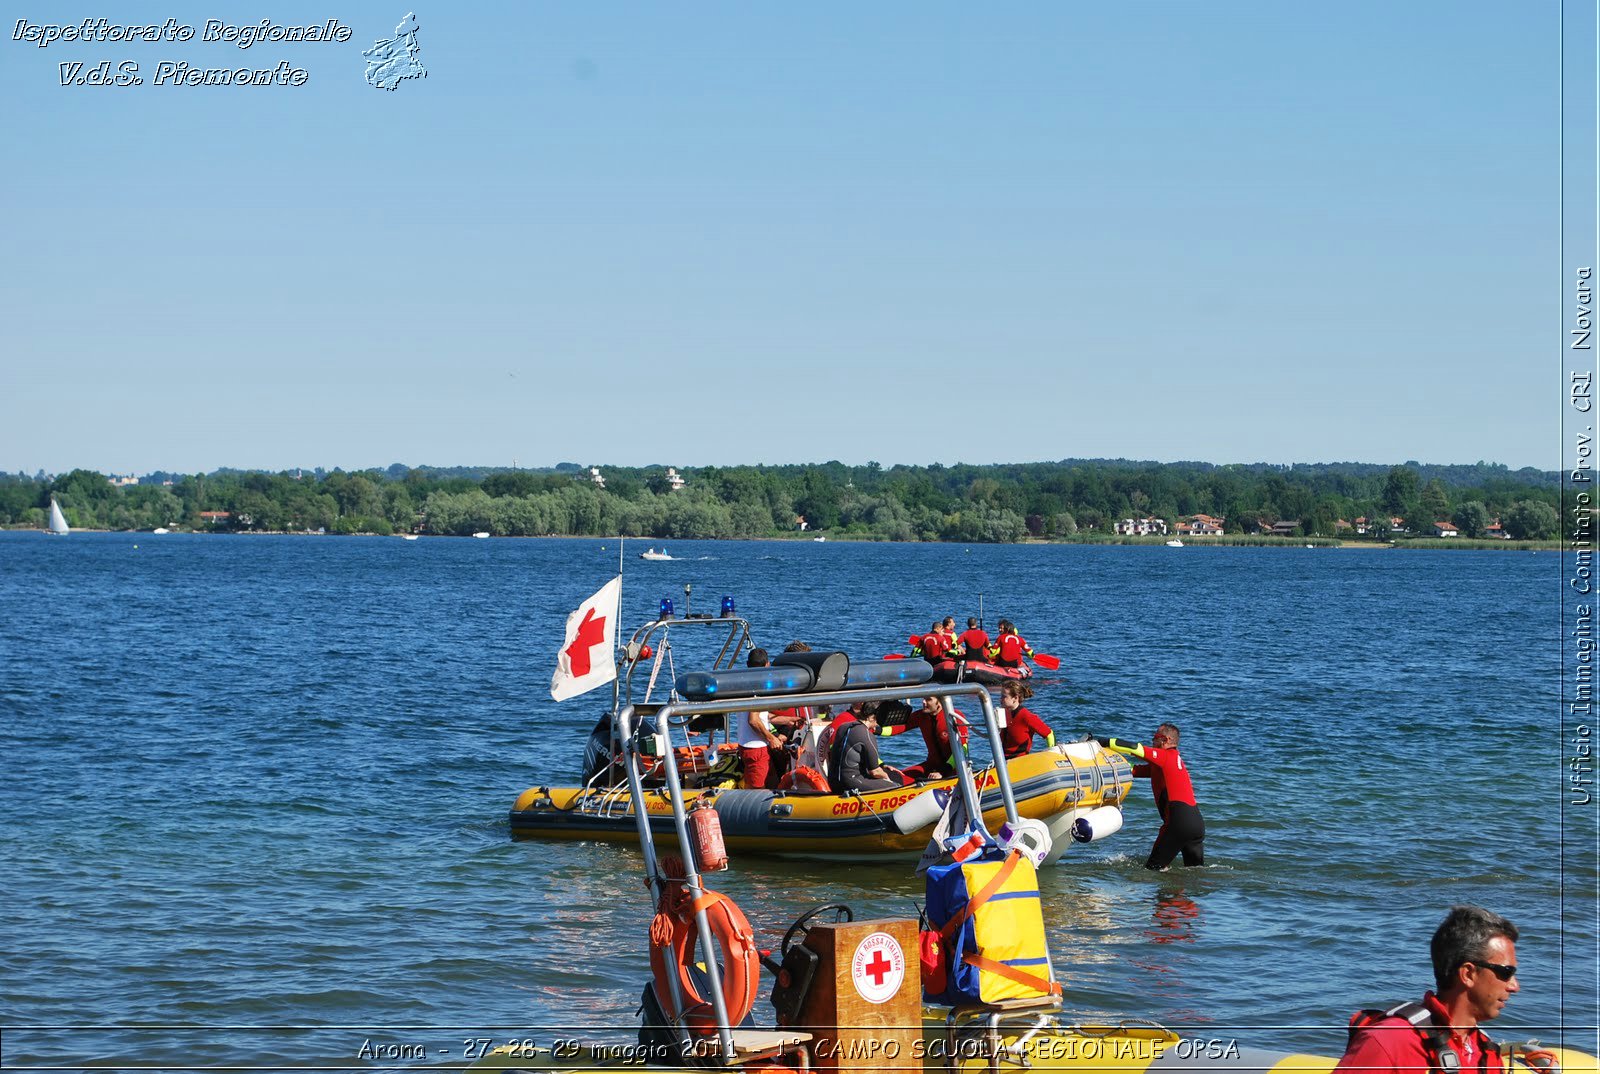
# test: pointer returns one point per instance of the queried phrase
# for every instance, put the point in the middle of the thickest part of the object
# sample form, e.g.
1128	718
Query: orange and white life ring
674	939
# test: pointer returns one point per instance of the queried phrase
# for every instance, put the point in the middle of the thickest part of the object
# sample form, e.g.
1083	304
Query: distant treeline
1071	499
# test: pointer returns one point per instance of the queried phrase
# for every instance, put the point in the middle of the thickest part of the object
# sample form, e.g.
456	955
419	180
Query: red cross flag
588	656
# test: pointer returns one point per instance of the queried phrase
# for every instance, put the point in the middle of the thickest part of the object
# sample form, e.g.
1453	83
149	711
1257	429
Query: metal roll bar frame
679	712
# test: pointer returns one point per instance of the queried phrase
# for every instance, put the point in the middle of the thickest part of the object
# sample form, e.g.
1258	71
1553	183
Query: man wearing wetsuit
1009	649
853	763
1182	827
934	645
974	641
935	728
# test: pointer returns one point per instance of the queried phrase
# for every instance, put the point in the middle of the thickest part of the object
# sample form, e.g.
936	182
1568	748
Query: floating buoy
1097	824
921	811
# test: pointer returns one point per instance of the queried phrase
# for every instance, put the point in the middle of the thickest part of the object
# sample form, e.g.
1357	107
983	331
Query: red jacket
934	647
1010	649
935	731
1394	1046
1169	779
976	644
1017	735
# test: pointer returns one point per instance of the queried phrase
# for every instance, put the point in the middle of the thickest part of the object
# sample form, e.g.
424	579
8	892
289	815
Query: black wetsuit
850	760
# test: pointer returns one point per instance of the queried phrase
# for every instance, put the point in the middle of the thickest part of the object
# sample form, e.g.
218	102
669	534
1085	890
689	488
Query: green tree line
1071	499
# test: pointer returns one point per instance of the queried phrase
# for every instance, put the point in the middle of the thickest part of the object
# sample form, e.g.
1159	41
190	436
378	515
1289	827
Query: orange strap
1011	973
982	896
704	902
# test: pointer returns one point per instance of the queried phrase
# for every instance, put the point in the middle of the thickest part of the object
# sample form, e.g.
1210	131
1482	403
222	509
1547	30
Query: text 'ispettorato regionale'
179	72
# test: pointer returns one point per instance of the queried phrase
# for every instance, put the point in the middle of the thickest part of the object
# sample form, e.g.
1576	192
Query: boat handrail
665	720
737	640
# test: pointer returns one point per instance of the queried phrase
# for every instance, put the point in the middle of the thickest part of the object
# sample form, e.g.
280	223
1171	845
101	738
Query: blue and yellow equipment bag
987	927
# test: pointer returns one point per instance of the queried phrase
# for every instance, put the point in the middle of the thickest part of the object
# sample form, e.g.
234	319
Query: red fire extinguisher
706	827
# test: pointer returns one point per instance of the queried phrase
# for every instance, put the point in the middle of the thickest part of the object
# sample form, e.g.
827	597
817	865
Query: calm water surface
262	782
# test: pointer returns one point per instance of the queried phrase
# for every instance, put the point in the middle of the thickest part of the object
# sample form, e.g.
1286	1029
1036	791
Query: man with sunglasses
1475	968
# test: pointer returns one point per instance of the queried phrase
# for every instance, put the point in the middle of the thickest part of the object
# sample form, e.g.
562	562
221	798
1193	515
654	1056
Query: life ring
674	939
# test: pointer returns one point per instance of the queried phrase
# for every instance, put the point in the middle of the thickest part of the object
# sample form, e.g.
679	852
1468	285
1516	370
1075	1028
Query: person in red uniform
973	642
1182	827
1021	724
1474	954
934	724
1009	648
934	645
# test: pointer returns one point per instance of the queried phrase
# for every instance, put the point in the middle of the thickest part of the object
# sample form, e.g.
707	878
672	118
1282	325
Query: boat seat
990	1022
750	1045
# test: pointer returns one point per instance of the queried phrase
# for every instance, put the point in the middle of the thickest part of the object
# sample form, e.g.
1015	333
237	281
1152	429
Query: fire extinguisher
710	854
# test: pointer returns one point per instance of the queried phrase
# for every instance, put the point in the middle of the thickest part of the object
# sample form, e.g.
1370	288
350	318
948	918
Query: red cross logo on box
878	967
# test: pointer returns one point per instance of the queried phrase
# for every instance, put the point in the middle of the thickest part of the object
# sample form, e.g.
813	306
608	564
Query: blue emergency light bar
887	673
794	678
666	607
727	607
743	682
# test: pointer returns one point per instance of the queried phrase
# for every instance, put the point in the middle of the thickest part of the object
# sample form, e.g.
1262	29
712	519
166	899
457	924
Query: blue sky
637	233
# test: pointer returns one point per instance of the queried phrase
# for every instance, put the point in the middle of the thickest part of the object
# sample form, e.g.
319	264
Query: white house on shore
1141	527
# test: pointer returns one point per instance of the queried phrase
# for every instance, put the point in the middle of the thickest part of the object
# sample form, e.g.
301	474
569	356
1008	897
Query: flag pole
616	683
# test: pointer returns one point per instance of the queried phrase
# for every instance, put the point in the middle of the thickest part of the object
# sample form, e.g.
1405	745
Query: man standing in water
1475	969
1182	826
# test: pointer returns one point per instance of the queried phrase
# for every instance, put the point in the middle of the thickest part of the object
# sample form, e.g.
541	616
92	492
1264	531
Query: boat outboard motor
597	756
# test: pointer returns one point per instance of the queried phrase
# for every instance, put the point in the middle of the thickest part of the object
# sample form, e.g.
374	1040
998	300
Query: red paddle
1046	661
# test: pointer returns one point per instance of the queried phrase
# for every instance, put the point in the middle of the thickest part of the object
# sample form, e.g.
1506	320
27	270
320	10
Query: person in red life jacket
933	645
1474	956
1182	827
973	642
853	762
934	723
1021	724
1009	648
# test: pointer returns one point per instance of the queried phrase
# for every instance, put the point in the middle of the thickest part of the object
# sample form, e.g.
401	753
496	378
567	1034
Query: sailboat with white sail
58	521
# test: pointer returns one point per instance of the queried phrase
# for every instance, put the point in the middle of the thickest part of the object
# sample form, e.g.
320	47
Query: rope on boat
868	807
655	668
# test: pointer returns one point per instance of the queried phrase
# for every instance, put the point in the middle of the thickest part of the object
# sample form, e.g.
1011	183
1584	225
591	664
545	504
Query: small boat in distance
819	539
408	536
58	521
652	554
481	534
1174	543
160	529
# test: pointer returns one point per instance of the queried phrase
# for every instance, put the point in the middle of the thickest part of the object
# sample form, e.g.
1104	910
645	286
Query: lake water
262	783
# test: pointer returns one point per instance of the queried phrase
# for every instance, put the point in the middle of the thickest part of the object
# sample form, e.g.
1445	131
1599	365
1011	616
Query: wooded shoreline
1099	501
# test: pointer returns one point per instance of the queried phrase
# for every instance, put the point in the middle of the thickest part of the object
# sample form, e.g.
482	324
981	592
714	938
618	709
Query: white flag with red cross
588	656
